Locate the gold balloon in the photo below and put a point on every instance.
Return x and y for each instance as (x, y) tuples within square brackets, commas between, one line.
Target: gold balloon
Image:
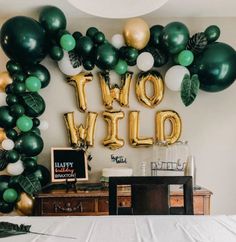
[(176, 126), (140, 88), (79, 81), (134, 138), (5, 79), (81, 133), (25, 204), (109, 94), (2, 135), (112, 141), (136, 33)]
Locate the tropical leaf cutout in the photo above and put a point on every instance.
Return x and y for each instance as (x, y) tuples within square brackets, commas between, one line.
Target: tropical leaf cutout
[(33, 101), (189, 89), (10, 229), (30, 183)]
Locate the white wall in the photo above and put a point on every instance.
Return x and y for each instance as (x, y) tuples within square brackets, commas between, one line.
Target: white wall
[(209, 124)]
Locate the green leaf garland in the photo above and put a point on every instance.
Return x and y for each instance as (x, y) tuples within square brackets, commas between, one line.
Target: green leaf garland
[(189, 89)]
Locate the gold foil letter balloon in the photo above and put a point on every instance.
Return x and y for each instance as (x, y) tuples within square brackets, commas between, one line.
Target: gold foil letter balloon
[(79, 81), (5, 79), (158, 88), (176, 126), (136, 33), (121, 94), (134, 138), (112, 140), (81, 133)]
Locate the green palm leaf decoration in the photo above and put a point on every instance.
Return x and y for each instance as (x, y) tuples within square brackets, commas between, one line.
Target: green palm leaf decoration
[(30, 184), (189, 89), (9, 229)]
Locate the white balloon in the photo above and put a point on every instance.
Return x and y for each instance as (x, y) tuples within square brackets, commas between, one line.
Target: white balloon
[(43, 125), (8, 144), (70, 64), (145, 61), (118, 41), (174, 77), (15, 169), (3, 98)]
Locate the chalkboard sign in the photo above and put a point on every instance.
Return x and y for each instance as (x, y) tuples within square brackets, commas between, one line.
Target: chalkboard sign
[(68, 164)]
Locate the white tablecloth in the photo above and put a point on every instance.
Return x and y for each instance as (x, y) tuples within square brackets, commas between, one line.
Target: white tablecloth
[(129, 228)]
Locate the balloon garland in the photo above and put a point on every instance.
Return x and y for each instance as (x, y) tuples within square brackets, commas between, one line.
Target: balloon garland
[(198, 62)]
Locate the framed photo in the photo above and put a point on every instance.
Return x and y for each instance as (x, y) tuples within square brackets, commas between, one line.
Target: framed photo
[(68, 164)]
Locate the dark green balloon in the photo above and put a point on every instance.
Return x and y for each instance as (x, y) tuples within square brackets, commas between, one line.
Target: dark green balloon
[(12, 156), (13, 67), (212, 33), (56, 53), (6, 207), (30, 165), (11, 134), (14, 183), (8, 89), (106, 57), (129, 54), (11, 99), (88, 64), (216, 67), (36, 122), (23, 40), (18, 77), (41, 72), (77, 35), (17, 110), (84, 46), (99, 38), (29, 144), (52, 19), (36, 130), (155, 35), (175, 37), (18, 87), (33, 110), (4, 184), (7, 121), (160, 56), (91, 32), (43, 174)]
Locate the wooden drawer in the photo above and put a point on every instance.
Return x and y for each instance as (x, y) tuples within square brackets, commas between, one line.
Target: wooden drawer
[(103, 205), (67, 206), (198, 203)]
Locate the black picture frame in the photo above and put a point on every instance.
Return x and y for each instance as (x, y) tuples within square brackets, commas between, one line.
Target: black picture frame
[(68, 164)]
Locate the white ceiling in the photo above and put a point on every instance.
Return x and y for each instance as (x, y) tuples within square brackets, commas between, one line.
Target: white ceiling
[(173, 8)]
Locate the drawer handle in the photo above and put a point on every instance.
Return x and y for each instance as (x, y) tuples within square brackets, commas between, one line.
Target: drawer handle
[(68, 208)]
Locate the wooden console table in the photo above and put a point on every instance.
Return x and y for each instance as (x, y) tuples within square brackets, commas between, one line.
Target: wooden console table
[(84, 203)]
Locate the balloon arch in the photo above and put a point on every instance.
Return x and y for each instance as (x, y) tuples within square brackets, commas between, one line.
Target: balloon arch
[(197, 62)]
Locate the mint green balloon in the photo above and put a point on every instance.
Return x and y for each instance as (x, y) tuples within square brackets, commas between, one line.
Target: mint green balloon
[(32, 83), (185, 58), (24, 123), (121, 67), (10, 195), (67, 42)]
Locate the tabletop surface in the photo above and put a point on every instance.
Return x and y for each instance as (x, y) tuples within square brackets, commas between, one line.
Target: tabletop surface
[(129, 228)]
